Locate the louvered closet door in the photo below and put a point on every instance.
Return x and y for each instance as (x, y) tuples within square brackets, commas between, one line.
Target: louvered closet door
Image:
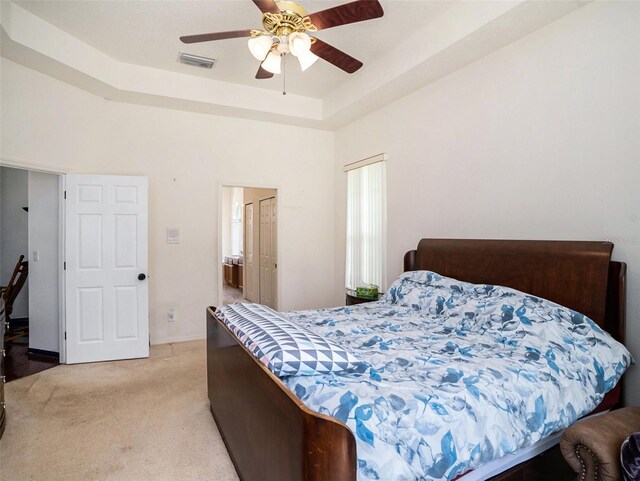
[(107, 313)]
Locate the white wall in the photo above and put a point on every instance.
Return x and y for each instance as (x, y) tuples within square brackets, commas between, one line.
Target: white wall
[(44, 295), (185, 155), (13, 232), (539, 140)]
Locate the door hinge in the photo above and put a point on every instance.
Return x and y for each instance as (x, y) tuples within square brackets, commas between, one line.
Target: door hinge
[(65, 194), (65, 335), (64, 266)]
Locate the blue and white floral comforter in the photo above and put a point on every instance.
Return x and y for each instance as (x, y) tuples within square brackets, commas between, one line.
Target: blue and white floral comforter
[(460, 374)]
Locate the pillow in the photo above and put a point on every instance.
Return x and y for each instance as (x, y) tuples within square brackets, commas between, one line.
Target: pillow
[(426, 291), (287, 349), (630, 457)]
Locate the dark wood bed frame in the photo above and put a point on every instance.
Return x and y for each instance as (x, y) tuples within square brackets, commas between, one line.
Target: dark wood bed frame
[(272, 436)]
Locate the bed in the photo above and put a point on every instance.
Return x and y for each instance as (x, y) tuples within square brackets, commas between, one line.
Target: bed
[(272, 435)]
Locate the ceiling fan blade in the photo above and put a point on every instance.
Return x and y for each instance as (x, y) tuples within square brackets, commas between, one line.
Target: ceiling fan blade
[(208, 37), (262, 73), (336, 57), (267, 6), (357, 11)]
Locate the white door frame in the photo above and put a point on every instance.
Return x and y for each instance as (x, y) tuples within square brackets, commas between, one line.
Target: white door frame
[(279, 252), (61, 268), (14, 164)]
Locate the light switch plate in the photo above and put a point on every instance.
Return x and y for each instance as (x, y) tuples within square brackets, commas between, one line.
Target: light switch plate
[(173, 235)]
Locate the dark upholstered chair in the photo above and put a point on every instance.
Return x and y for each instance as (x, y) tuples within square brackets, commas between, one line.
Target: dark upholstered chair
[(592, 447)]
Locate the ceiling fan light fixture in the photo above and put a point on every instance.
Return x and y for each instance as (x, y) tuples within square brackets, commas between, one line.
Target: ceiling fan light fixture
[(260, 46), (283, 45), (299, 43), (307, 59), (285, 25), (272, 63)]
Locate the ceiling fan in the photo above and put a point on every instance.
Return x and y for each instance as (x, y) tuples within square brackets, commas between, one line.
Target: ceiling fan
[(286, 24)]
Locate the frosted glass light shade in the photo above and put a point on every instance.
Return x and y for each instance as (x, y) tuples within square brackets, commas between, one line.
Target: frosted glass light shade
[(299, 43), (272, 63), (260, 46), (307, 60)]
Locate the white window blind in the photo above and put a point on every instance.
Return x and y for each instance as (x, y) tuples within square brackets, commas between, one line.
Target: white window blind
[(366, 225)]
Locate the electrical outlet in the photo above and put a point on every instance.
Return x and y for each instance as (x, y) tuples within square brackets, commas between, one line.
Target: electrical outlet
[(171, 314)]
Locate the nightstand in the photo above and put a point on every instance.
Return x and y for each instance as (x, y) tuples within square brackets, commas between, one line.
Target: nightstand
[(352, 298)]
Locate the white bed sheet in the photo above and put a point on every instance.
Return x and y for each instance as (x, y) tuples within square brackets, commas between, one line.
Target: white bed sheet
[(500, 465)]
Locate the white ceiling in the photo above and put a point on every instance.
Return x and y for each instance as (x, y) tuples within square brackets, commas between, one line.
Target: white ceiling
[(146, 33), (126, 51)]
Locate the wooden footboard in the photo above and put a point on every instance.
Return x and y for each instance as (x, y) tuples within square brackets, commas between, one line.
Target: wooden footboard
[(269, 433)]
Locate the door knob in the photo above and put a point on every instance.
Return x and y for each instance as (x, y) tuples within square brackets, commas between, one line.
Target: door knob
[(141, 277)]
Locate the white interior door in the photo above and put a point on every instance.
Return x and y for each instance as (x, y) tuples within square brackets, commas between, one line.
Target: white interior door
[(249, 284), (267, 252), (107, 311)]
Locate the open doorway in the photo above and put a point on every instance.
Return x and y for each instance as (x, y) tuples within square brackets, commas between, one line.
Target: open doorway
[(249, 245), (29, 269), (86, 247)]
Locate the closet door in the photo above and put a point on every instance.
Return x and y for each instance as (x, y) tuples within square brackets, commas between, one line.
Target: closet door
[(274, 259), (249, 278), (268, 263)]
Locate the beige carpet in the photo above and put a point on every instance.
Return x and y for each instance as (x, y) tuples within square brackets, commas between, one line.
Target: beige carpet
[(133, 420), (231, 295)]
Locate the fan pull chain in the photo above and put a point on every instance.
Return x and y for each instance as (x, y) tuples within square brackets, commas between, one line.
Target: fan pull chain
[(284, 75)]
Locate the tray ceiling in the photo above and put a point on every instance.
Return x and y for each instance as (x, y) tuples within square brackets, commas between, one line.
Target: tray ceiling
[(146, 33), (126, 51)]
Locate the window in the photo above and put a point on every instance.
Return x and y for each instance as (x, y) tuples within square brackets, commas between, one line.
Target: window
[(236, 229), (366, 223)]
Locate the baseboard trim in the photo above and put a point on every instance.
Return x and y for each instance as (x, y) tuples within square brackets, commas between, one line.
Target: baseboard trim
[(170, 340)]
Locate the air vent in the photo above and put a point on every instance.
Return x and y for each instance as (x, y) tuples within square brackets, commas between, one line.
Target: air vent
[(196, 60)]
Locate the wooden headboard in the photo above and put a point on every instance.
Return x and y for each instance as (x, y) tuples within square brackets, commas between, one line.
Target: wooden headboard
[(576, 274)]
